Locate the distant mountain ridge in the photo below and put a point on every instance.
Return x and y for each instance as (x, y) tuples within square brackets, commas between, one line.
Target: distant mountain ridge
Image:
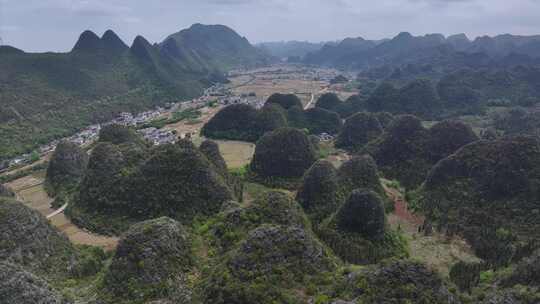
[(90, 42), (286, 49), (51, 95), (217, 45), (403, 48)]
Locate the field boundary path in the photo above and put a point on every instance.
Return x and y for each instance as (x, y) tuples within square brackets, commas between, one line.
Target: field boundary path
[(58, 211), (29, 190)]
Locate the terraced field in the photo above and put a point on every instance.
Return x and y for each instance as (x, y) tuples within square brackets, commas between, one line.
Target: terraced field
[(30, 191)]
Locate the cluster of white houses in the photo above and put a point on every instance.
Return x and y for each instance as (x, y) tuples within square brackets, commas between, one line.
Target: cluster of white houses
[(158, 136), (219, 93), (91, 133)]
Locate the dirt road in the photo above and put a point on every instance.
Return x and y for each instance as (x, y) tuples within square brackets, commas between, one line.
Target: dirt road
[(30, 191)]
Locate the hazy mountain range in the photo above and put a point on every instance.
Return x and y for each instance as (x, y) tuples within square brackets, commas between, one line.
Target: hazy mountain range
[(286, 49), (359, 53)]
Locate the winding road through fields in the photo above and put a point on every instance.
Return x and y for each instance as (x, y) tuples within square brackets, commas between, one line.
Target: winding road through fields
[(30, 191), (309, 104)]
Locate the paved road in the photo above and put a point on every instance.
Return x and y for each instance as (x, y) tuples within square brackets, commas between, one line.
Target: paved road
[(58, 211), (310, 102)]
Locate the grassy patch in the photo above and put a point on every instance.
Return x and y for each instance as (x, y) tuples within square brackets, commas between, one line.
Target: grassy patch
[(24, 172), (191, 115)]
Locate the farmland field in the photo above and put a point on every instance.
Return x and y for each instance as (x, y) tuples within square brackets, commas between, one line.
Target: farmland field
[(30, 191), (236, 153)]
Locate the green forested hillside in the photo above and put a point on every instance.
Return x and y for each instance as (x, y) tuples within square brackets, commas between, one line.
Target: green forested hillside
[(50, 95), (214, 47)]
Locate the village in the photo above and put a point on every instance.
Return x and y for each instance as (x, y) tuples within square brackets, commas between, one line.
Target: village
[(218, 94), (250, 87)]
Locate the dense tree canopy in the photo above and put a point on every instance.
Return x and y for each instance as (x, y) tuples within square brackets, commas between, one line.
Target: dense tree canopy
[(66, 167), (398, 281), (458, 93), (400, 152), (328, 101), (22, 287), (210, 149), (286, 101), (152, 256), (352, 105), (360, 172), (102, 185), (322, 121), (447, 136), (243, 122), (363, 213), (384, 98), (118, 134), (419, 97), (296, 117), (284, 153), (270, 118), (384, 118), (407, 151), (267, 265), (177, 182), (319, 189), (273, 207), (234, 122), (487, 191), (29, 240), (358, 130)]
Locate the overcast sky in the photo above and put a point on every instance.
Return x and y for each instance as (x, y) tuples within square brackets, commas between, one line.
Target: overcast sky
[(54, 25)]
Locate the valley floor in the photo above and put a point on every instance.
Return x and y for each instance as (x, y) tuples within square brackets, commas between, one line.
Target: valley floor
[(30, 191)]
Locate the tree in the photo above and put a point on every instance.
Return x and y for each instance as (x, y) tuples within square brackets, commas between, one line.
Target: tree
[(358, 130), (328, 101), (318, 192), (234, 122), (286, 101), (447, 136), (320, 121), (66, 167), (283, 153), (270, 118), (118, 134), (103, 185), (420, 98), (363, 213), (384, 98)]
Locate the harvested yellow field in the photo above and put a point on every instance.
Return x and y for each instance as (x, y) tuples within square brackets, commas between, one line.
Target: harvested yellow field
[(185, 126), (30, 191), (236, 153), (264, 86)]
